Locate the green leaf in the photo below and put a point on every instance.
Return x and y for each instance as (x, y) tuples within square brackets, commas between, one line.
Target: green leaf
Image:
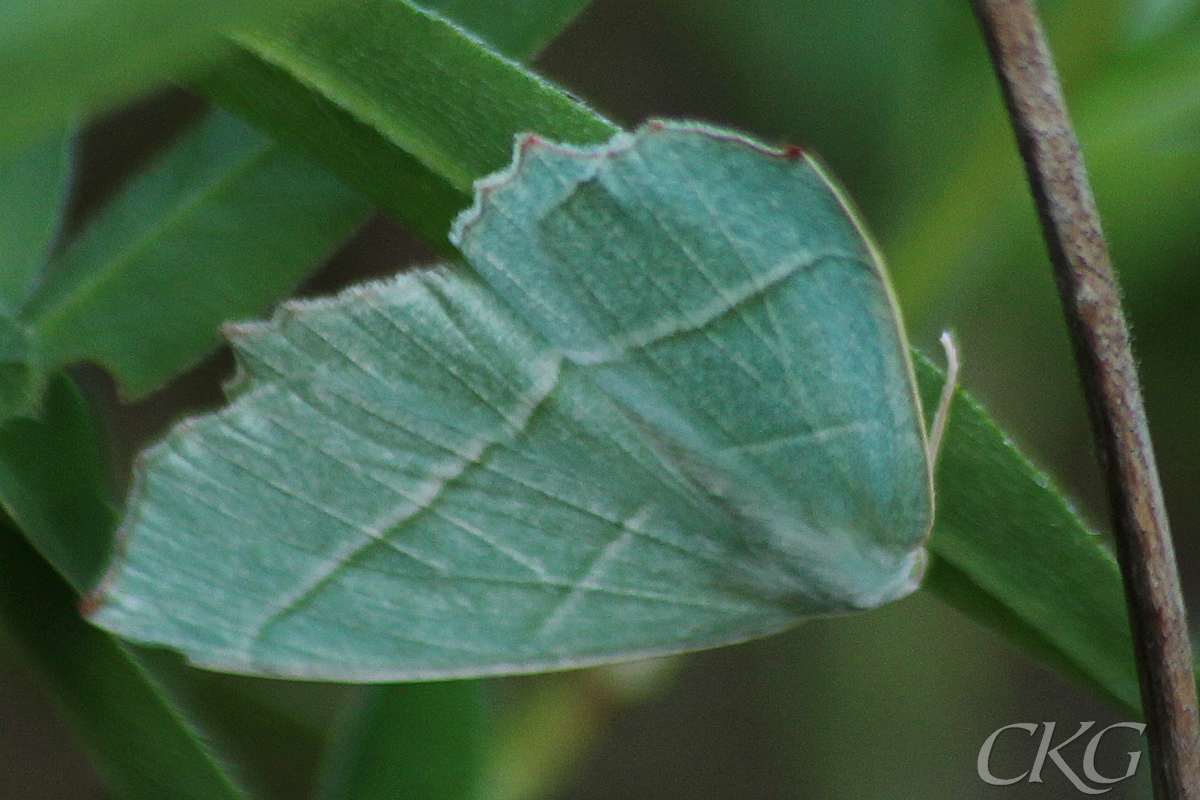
[(1010, 552), (399, 103), (20, 377), (50, 482), (223, 224), (731, 443), (34, 182), (422, 740), (141, 747), (273, 732), (517, 28), (52, 485), (65, 59)]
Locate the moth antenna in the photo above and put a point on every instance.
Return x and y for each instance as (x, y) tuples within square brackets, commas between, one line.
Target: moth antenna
[(943, 407)]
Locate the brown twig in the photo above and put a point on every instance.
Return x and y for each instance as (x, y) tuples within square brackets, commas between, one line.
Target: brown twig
[(1092, 305)]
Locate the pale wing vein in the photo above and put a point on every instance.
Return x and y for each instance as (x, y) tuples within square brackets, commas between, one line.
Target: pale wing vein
[(400, 513)]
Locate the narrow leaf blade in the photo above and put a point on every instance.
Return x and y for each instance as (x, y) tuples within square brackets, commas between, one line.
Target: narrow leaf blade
[(426, 738), (34, 182), (222, 225), (61, 60), (517, 28), (52, 484), (50, 481), (141, 747), (413, 136), (1018, 559)]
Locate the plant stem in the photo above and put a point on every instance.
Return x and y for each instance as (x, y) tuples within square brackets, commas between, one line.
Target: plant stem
[(1091, 302)]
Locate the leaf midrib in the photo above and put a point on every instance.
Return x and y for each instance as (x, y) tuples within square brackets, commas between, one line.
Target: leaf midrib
[(43, 323)]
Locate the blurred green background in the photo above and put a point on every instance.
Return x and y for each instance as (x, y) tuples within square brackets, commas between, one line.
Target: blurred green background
[(898, 99)]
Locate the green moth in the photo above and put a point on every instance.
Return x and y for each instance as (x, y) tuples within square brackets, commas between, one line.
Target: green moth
[(670, 407)]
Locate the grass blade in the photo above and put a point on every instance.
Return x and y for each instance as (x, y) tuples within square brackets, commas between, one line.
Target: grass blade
[(411, 137), (141, 746), (50, 481), (424, 740), (517, 28), (65, 59), (218, 228), (1011, 553), (34, 182)]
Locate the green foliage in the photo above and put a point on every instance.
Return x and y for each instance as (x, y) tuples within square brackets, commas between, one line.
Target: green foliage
[(517, 28), (994, 560), (50, 486), (224, 222), (399, 103), (425, 737), (60, 60), (36, 179), (113, 705), (406, 110)]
